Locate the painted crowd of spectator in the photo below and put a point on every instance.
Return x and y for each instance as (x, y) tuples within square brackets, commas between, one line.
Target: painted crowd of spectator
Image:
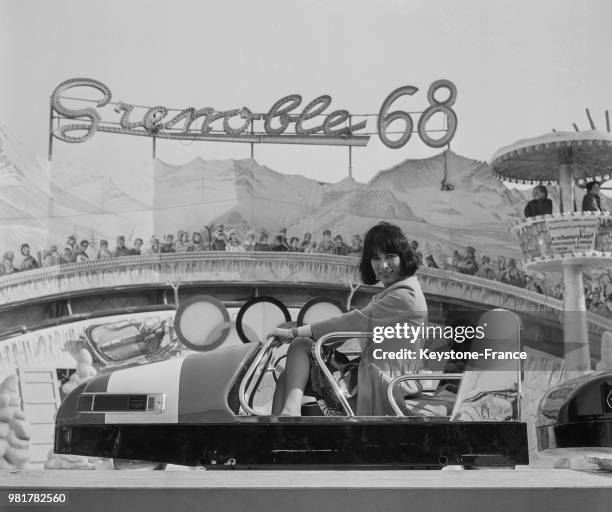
[(222, 240), (219, 239), (504, 270), (598, 295)]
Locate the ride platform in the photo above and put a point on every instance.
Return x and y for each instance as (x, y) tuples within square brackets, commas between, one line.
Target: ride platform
[(229, 490)]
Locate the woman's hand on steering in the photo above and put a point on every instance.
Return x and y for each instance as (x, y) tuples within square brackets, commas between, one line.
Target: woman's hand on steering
[(283, 334)]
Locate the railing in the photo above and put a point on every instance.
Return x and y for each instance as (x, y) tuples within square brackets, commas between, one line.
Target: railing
[(256, 267), (191, 267), (547, 240)]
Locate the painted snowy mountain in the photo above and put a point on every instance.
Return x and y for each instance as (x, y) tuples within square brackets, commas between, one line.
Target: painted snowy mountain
[(42, 203)]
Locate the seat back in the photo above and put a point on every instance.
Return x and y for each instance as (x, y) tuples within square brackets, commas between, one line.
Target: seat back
[(490, 389)]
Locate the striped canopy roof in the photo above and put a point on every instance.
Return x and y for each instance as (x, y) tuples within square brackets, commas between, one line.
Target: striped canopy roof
[(537, 160)]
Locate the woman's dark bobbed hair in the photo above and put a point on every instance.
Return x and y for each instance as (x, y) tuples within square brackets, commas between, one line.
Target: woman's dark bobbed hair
[(389, 239)]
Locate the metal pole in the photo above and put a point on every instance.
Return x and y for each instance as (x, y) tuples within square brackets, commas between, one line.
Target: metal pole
[(588, 113), (50, 155), (566, 180), (350, 151), (252, 143), (154, 148), (175, 288)]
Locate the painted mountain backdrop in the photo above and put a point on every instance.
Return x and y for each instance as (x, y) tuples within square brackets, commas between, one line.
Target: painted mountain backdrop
[(42, 203)]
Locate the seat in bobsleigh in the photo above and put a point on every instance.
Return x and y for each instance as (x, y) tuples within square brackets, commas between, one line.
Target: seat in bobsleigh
[(488, 389)]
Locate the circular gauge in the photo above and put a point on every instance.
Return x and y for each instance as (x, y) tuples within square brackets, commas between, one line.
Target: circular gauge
[(609, 400), (202, 323), (319, 309), (258, 316)]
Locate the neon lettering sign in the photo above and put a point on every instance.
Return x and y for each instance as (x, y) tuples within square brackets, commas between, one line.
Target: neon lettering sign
[(337, 127)]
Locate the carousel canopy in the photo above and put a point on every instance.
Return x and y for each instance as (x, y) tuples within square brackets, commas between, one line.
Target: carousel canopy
[(537, 160)]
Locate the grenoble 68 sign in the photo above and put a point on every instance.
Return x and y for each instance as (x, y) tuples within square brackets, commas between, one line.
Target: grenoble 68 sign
[(283, 123)]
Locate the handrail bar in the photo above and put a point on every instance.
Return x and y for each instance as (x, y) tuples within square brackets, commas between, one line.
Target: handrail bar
[(424, 376), (317, 352), (250, 373)]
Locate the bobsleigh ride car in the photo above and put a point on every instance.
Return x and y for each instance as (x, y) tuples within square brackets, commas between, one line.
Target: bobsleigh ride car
[(212, 407), (575, 417)]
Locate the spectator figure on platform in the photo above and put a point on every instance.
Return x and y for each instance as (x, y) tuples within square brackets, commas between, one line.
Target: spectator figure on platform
[(605, 282), (103, 252), (312, 249), (598, 305), (294, 244), (591, 295), (557, 292), (467, 264), (249, 242), (196, 242), (137, 249), (155, 246), (594, 302), (72, 243), (356, 245), (262, 245), (168, 244), (512, 275), (89, 248), (326, 245), (431, 262), (306, 242), (181, 244), (501, 267), (233, 244), (28, 262), (455, 260), (597, 290), (608, 311), (283, 236), (414, 245), (81, 254), (9, 268), (591, 202), (67, 257), (486, 270), (540, 204), (56, 257), (218, 239), (8, 255), (120, 248), (277, 244), (340, 248), (532, 285), (588, 296), (47, 259)]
